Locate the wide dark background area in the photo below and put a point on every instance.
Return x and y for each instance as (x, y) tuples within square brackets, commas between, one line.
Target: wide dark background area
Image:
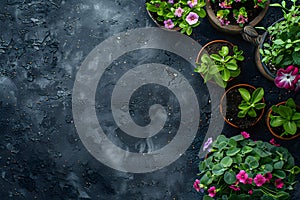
[(42, 45)]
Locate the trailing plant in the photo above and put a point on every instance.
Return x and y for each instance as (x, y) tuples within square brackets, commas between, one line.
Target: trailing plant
[(178, 13), (240, 168), (251, 102), (286, 116), (221, 66)]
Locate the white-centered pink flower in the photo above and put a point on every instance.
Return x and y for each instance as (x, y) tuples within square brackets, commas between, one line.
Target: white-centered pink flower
[(192, 3), (192, 18), (178, 12)]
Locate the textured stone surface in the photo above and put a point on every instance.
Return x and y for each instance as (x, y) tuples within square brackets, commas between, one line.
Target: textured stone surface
[(42, 44)]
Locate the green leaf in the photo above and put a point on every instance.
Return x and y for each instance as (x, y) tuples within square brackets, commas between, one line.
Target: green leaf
[(296, 57), (282, 195), (290, 127), (278, 165), (277, 121), (218, 169), (189, 31), (252, 112), (259, 106), (235, 73), (170, 15), (216, 57), (201, 13), (245, 94), (206, 197), (230, 177), (238, 137), (224, 51), (278, 41), (183, 25), (285, 111), (252, 162), (232, 151), (225, 74), (257, 95), (226, 161), (242, 113), (206, 178), (279, 174), (151, 8), (232, 142), (246, 149), (231, 66), (296, 116), (279, 59), (290, 103), (295, 170)]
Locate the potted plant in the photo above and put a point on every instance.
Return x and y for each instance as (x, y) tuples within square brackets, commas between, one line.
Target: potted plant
[(176, 14), (240, 168), (242, 105), (278, 55), (219, 61), (232, 15), (283, 120)]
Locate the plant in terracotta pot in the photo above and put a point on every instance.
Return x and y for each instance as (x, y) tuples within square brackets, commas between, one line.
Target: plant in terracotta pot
[(278, 54), (221, 64), (232, 15), (283, 120), (242, 105), (177, 14), (240, 168)]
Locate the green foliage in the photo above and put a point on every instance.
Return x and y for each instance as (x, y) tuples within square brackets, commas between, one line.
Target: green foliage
[(284, 48), (228, 156), (222, 66), (251, 102), (286, 116), (165, 11)]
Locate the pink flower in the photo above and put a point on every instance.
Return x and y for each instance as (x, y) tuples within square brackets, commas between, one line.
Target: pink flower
[(169, 24), (234, 187), (245, 134), (212, 191), (207, 143), (171, 1), (250, 192), (273, 142), (192, 3), (192, 18), (287, 78), (278, 183), (259, 180), (268, 176), (197, 185), (242, 176), (178, 12), (224, 4), (249, 180), (241, 19)]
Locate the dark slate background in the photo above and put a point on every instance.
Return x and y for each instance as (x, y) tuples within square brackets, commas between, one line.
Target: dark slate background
[(42, 44)]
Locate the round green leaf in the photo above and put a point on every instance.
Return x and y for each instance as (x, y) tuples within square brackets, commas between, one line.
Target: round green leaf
[(230, 177), (226, 161)]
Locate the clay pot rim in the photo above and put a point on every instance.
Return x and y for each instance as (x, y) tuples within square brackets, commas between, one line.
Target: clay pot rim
[(233, 29), (224, 95), (176, 28), (271, 129), (260, 46)]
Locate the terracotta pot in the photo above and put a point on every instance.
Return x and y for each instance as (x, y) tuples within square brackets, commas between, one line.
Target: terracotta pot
[(271, 129), (203, 50), (232, 29), (258, 58), (222, 104), (159, 24)]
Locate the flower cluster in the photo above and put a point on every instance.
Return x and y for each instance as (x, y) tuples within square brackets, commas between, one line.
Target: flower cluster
[(240, 168), (174, 13), (235, 9), (288, 78)]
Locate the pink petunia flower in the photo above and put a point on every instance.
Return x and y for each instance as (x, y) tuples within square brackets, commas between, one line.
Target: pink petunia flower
[(242, 176), (212, 191), (273, 142), (178, 12), (245, 134), (250, 192), (207, 143), (192, 3), (197, 185), (278, 183), (171, 1), (169, 24), (241, 19), (225, 4), (192, 18), (234, 187), (249, 180), (259, 180), (268, 176), (287, 78)]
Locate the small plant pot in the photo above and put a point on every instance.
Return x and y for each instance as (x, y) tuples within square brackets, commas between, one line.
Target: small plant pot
[(160, 24), (233, 99), (211, 48), (232, 29), (262, 67), (275, 131)]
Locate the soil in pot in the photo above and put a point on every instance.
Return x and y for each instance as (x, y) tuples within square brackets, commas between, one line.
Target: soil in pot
[(272, 69), (214, 47), (233, 99), (249, 5)]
